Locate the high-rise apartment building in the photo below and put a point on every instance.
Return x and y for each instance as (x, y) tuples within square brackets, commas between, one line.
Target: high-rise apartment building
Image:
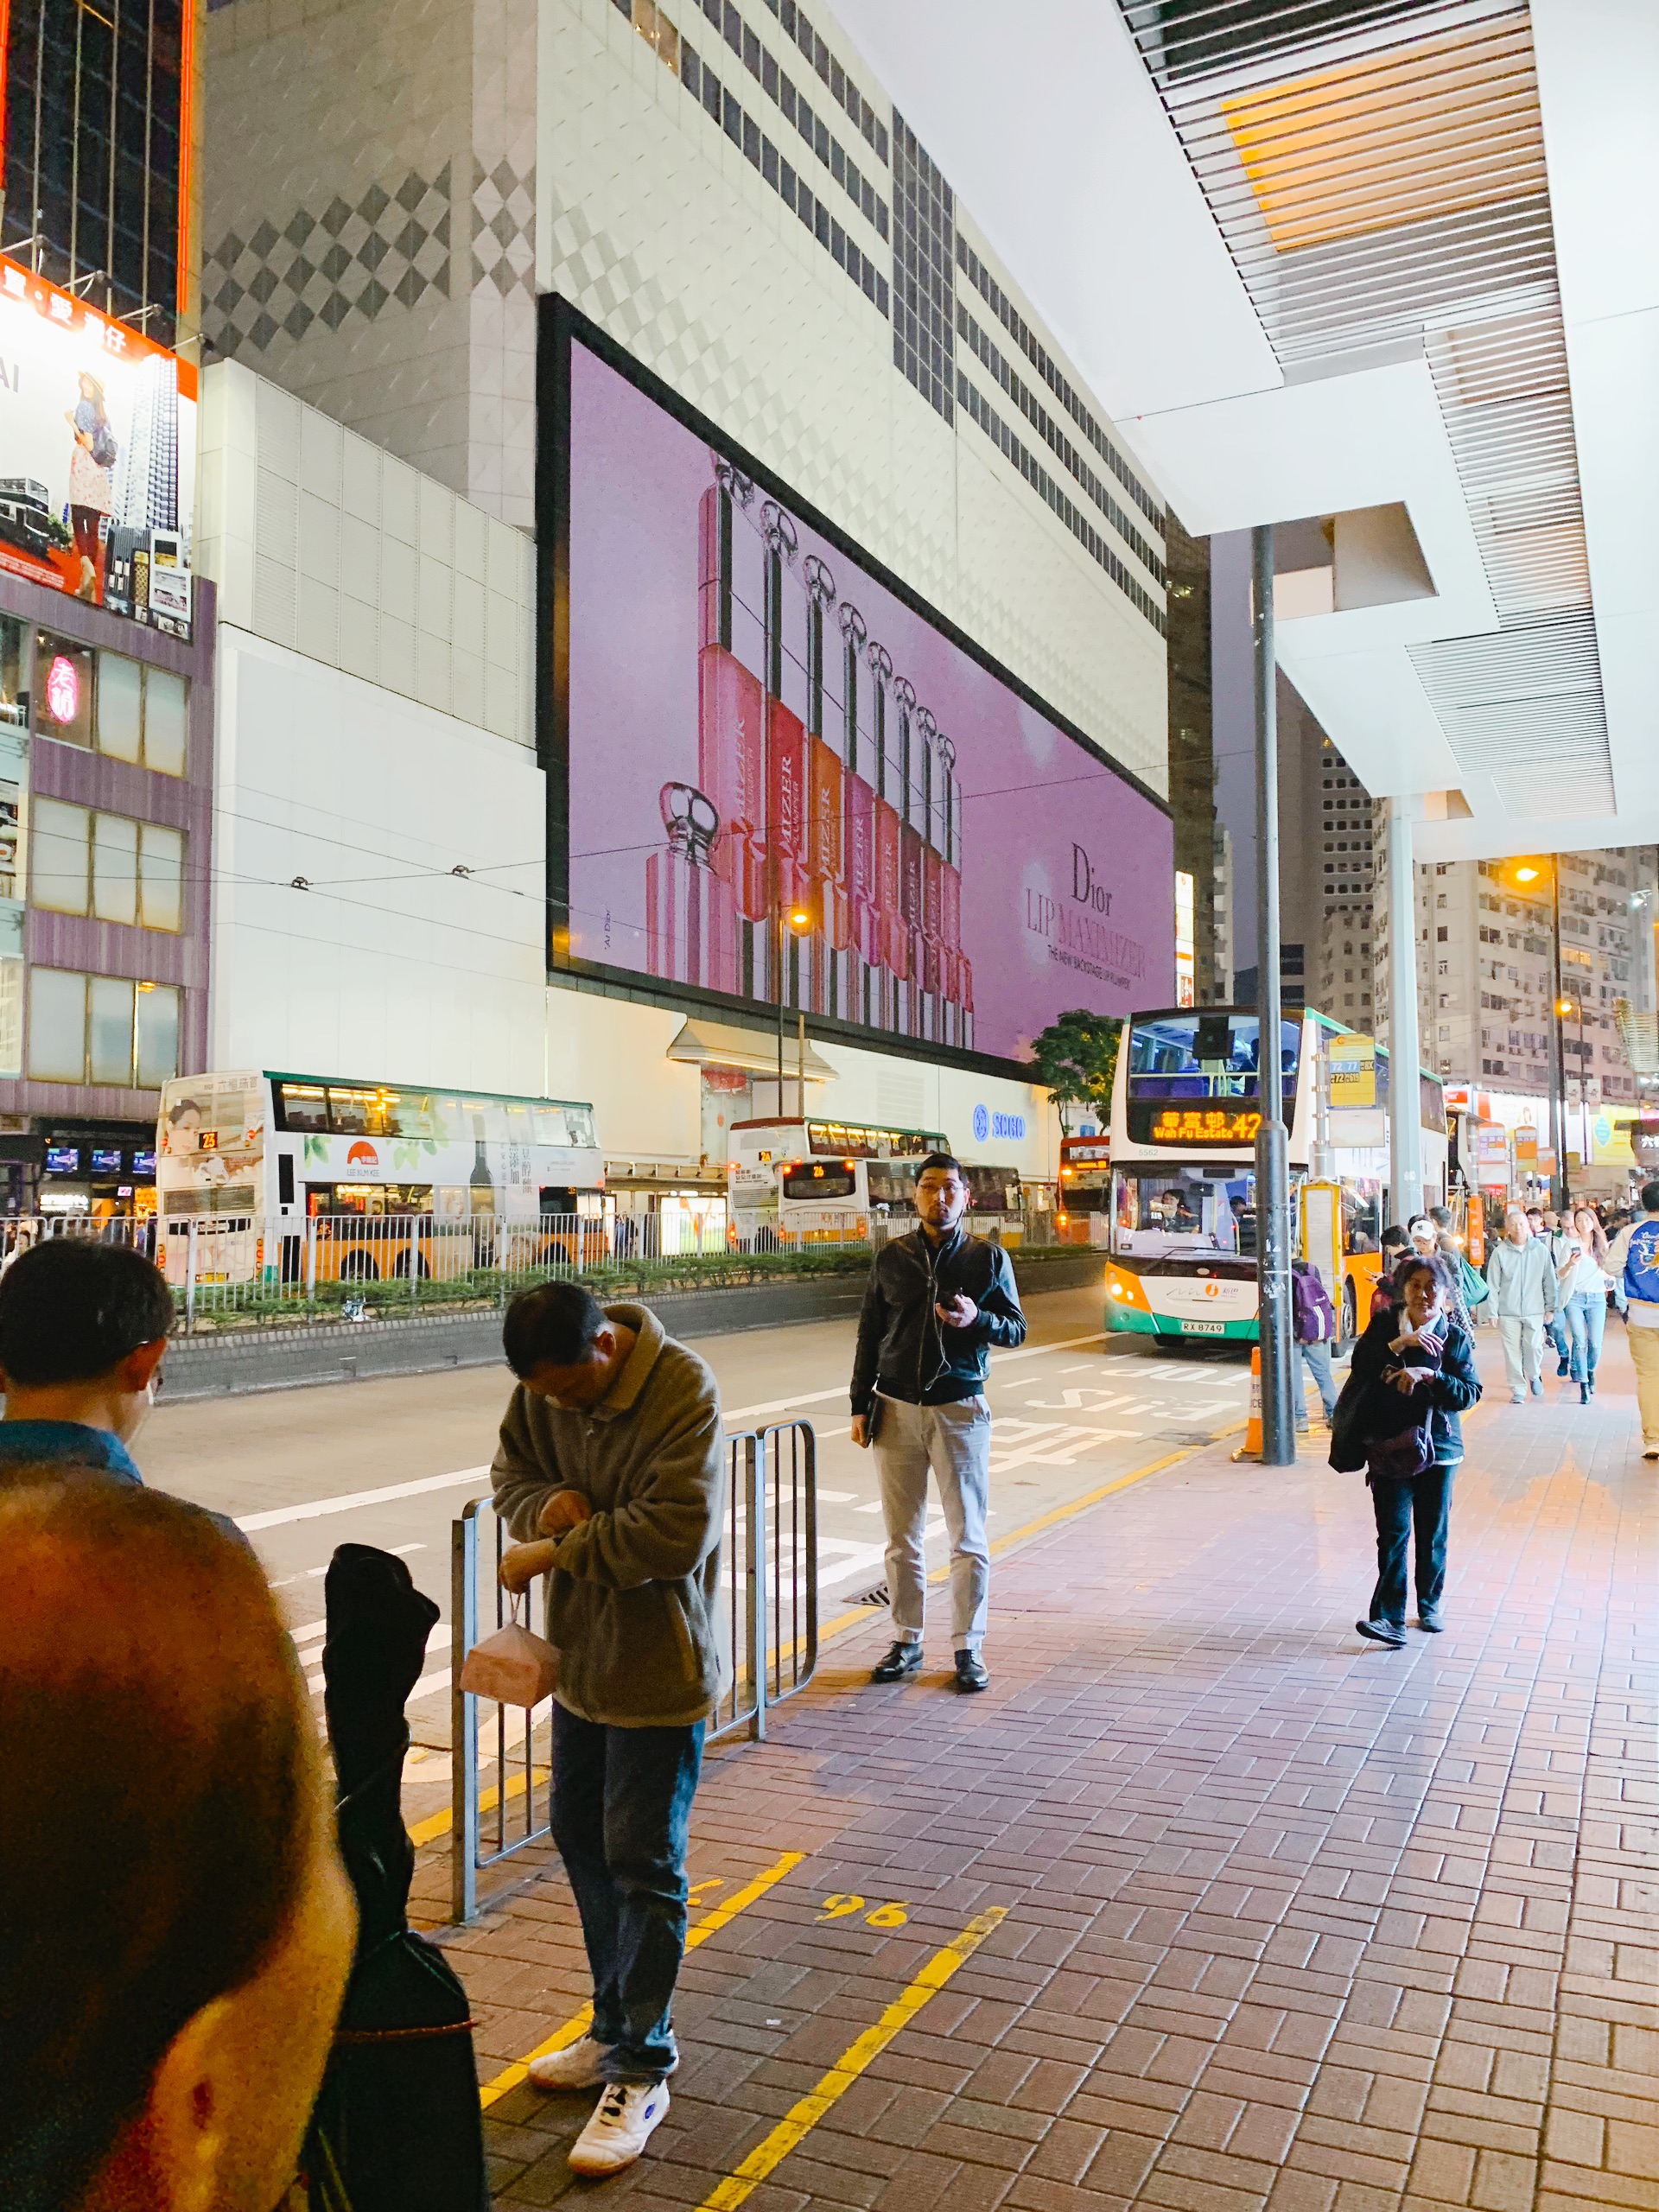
[(1191, 748), (1484, 974), (1343, 984)]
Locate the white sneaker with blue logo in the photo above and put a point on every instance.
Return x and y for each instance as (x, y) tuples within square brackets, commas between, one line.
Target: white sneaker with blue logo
[(621, 2128)]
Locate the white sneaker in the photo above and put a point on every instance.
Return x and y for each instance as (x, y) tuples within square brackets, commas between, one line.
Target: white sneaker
[(581, 2067), (620, 2127)]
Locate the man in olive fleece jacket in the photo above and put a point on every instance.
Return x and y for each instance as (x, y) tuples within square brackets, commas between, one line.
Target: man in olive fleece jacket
[(611, 1466)]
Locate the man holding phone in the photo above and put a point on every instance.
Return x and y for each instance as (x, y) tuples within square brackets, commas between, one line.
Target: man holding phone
[(937, 1301)]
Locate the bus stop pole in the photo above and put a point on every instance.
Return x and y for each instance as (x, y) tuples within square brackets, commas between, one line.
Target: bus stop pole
[(1272, 1167)]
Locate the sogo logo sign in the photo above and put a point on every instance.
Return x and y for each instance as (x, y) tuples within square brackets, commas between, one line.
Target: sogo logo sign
[(1009, 1127)]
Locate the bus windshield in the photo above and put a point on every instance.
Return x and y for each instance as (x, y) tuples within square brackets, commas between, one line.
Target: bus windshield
[(1177, 1208)]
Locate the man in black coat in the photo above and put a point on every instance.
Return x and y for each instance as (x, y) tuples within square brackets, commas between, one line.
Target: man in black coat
[(938, 1300)]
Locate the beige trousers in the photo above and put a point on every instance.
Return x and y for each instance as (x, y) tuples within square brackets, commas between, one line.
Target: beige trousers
[(1645, 1357)]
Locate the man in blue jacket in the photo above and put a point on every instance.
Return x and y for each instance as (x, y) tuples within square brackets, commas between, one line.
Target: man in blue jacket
[(938, 1300)]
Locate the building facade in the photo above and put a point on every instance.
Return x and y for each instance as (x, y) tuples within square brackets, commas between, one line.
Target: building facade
[(1192, 751)]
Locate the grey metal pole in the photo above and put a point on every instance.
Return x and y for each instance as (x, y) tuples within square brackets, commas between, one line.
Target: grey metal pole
[(1272, 1167), (1404, 1083), (1558, 1045)]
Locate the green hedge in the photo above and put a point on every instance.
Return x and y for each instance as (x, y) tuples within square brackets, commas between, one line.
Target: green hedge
[(248, 1305)]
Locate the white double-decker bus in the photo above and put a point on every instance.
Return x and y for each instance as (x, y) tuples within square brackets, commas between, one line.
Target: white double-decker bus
[(1187, 1104)]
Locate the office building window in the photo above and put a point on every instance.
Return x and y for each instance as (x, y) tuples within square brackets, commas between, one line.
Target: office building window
[(923, 272), (101, 1029), (106, 865), (105, 701)]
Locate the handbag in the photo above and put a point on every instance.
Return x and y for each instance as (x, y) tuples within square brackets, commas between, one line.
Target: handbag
[(1475, 1288), (1400, 1457), (515, 1666)]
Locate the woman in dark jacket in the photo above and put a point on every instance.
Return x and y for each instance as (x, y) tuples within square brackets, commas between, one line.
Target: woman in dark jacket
[(1413, 1360)]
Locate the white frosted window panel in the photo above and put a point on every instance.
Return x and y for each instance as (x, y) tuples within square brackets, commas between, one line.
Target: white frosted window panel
[(57, 1025), (120, 706), (164, 707), (160, 877), (115, 867), (111, 1031), (57, 855), (158, 1034), (11, 1017)]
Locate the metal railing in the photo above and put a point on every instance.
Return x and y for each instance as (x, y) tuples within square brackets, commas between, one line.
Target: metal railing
[(769, 1601), (241, 1268)]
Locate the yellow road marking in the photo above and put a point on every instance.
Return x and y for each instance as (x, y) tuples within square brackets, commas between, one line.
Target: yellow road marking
[(437, 1824), (579, 2023), (804, 2117)]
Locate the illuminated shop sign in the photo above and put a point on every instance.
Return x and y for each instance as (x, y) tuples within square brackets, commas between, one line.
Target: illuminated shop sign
[(97, 456)]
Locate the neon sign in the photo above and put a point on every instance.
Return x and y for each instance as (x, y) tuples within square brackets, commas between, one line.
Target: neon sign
[(63, 689), (1204, 1125)]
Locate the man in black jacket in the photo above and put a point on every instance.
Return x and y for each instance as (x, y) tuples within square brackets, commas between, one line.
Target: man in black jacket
[(938, 1300)]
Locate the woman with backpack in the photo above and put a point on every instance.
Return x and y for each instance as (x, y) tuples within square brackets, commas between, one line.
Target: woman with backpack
[(1314, 1323), (1412, 1377)]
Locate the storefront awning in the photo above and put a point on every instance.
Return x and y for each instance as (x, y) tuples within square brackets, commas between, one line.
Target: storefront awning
[(722, 1045)]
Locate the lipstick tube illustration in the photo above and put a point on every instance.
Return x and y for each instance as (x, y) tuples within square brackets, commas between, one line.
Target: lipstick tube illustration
[(789, 882), (889, 803), (690, 937), (826, 852), (949, 888), (731, 729), (932, 955), (961, 988), (858, 835), (910, 852)]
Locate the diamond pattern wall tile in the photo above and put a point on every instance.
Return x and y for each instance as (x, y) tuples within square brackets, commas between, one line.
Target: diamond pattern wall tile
[(391, 247)]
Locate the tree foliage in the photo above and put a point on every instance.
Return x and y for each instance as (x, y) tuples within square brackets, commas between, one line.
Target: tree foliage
[(1076, 1058)]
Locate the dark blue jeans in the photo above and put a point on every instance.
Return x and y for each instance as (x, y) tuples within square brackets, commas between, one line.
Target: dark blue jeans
[(1585, 1315), (1421, 1506), (621, 1810)]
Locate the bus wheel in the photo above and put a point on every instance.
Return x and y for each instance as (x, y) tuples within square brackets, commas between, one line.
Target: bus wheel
[(1350, 1313), (358, 1267), (400, 1266)]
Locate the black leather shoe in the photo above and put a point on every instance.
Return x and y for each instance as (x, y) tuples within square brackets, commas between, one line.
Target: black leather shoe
[(903, 1661), (971, 1672)]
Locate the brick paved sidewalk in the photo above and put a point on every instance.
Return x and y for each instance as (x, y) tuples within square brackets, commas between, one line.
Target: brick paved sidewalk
[(1289, 1919)]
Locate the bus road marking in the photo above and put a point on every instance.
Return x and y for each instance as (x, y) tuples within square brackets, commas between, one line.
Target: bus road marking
[(799, 2122), (579, 2023)]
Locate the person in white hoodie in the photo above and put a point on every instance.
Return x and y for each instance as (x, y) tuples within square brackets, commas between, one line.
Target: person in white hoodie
[(1524, 1296)]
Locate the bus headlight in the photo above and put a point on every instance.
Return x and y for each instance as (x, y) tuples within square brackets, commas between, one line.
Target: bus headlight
[(1117, 1289)]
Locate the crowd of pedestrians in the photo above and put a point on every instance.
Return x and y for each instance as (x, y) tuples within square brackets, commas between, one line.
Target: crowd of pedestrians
[(172, 1958)]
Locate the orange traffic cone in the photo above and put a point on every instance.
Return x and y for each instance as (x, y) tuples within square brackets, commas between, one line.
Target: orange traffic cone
[(1251, 1447)]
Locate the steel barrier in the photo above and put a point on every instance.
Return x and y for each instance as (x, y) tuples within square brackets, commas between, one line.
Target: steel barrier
[(769, 1595)]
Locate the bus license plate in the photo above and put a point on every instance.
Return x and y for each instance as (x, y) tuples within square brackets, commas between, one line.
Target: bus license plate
[(1204, 1328)]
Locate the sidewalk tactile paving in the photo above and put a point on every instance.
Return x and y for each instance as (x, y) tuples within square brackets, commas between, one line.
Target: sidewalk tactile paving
[(1292, 1922)]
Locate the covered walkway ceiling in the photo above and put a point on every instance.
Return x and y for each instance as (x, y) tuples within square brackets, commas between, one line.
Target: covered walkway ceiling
[(1325, 257)]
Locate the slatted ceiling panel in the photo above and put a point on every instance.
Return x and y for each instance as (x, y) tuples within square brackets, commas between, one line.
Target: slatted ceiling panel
[(1377, 172)]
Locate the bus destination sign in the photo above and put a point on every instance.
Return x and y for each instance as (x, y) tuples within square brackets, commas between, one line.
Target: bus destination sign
[(1202, 1125)]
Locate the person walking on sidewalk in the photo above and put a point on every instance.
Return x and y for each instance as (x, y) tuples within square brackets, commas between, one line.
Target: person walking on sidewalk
[(1412, 1450), (937, 1301), (612, 1469), (1314, 1319), (1634, 1262), (1524, 1296), (1582, 1294)]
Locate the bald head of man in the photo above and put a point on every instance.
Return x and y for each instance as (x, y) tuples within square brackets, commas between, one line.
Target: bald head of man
[(174, 1926)]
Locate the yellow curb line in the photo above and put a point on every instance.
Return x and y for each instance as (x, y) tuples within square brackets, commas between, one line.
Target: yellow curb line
[(437, 1824), (805, 2116), (578, 2025)]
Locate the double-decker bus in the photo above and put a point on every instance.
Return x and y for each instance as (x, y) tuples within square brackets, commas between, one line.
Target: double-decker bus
[(1085, 1214), (367, 1179), (790, 1178), (1185, 1109)]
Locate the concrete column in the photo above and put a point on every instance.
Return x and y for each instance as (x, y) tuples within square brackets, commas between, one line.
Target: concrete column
[(1405, 1113), (1280, 1366)]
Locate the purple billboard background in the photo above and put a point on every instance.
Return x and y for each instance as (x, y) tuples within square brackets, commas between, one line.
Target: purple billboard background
[(1066, 871)]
